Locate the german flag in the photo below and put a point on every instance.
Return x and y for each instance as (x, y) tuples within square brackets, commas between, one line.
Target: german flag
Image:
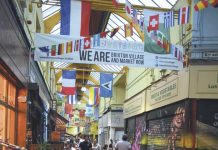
[(69, 47), (201, 5), (60, 49)]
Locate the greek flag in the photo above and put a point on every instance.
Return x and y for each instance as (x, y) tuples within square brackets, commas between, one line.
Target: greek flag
[(168, 19)]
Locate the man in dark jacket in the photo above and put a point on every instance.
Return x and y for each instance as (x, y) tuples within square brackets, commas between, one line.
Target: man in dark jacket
[(85, 145)]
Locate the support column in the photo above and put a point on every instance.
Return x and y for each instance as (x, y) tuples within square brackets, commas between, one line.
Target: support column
[(112, 134)]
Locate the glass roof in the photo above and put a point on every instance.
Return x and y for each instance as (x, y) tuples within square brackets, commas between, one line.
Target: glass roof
[(50, 7)]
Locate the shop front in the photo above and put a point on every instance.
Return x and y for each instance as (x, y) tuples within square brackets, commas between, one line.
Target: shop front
[(135, 120), (177, 112), (12, 99), (8, 107)]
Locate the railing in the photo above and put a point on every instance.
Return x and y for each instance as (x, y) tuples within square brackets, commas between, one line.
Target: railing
[(9, 146), (59, 146)]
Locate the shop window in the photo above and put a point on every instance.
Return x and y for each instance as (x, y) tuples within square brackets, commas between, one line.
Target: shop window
[(3, 89), (2, 123), (10, 126), (11, 94), (7, 113)]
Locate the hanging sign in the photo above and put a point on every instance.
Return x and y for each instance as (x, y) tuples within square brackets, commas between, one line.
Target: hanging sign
[(111, 52)]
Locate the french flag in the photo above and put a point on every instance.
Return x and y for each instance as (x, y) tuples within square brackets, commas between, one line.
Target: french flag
[(68, 82), (183, 16), (75, 17)]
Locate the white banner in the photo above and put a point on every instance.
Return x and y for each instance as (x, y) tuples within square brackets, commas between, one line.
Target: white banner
[(110, 52)]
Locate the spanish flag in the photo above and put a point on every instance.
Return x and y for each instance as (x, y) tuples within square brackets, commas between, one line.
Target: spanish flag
[(214, 3), (69, 47), (201, 5), (60, 49), (128, 30)]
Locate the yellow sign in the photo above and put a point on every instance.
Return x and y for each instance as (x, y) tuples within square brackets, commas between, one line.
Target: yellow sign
[(167, 91), (207, 82)]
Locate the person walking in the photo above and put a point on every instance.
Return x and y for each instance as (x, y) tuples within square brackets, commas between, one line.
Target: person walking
[(95, 145), (85, 145), (124, 144)]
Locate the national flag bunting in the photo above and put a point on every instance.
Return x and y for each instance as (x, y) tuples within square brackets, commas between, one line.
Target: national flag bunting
[(71, 99), (75, 17), (60, 49), (69, 47), (91, 96), (89, 110), (114, 31), (201, 5), (168, 19), (128, 30), (115, 3), (183, 16), (96, 96), (128, 7), (153, 23), (106, 83), (214, 3), (104, 34), (87, 43), (68, 108), (68, 82), (53, 50), (96, 40), (141, 23), (44, 49), (77, 45), (134, 16)]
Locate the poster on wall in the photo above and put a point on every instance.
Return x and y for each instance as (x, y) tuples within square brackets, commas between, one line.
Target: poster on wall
[(207, 125), (167, 128), (62, 48), (139, 141), (157, 41)]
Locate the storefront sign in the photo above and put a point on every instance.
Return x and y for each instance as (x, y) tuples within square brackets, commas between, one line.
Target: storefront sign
[(207, 82), (135, 106), (210, 55), (167, 91)]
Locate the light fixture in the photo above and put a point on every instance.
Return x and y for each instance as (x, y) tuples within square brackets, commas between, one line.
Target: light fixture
[(83, 89)]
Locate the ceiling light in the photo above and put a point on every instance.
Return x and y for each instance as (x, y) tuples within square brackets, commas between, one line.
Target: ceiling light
[(83, 89)]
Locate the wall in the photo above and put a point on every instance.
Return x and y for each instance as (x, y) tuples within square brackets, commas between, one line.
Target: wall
[(22, 113), (203, 82), (13, 51), (137, 80), (135, 105), (205, 26)]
